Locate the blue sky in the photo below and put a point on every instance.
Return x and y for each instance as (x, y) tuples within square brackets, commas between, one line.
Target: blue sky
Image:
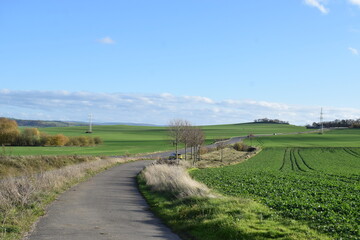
[(203, 60)]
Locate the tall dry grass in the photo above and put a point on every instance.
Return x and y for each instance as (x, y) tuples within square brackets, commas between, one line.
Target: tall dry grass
[(174, 179), (18, 194)]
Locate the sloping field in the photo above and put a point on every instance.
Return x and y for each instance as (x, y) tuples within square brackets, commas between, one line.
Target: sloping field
[(121, 139), (318, 185), (333, 138)]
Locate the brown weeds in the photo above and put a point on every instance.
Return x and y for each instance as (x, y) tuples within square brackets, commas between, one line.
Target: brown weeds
[(17, 194)]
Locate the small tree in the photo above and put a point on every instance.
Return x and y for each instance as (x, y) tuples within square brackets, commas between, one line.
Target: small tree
[(185, 136), (9, 131), (29, 137), (176, 132), (196, 139)]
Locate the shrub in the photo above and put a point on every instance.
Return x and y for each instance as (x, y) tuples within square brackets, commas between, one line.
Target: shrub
[(9, 131), (29, 137), (57, 140), (243, 147), (98, 140), (239, 146)]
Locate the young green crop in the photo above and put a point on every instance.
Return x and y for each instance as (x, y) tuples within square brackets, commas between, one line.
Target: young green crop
[(318, 185)]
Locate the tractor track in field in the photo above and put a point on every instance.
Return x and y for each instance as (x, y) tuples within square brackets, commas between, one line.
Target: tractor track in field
[(302, 159), (293, 157), (351, 152)]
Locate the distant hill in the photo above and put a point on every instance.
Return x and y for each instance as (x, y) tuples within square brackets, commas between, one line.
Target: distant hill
[(44, 123), (128, 124)]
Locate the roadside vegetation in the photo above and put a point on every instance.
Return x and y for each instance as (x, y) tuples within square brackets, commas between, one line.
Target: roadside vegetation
[(27, 188), (25, 165)]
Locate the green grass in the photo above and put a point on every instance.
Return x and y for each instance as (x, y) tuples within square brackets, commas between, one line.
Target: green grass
[(120, 139), (320, 186), (223, 218), (333, 138)]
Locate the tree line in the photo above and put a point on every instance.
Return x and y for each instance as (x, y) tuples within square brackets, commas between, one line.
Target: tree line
[(350, 123), (182, 132), (267, 120), (11, 135)]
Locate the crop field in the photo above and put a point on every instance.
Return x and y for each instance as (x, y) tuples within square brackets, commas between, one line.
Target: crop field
[(333, 138), (121, 139), (320, 186)]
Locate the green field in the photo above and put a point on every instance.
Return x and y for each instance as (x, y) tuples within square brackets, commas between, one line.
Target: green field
[(121, 139), (333, 138), (309, 177)]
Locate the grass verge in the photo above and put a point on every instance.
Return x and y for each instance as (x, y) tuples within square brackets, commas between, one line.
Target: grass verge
[(23, 199), (210, 218)]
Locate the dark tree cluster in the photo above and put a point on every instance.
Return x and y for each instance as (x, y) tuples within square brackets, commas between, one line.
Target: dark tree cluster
[(350, 123), (267, 120)]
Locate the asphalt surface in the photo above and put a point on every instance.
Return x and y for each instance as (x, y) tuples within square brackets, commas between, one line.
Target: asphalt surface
[(107, 206)]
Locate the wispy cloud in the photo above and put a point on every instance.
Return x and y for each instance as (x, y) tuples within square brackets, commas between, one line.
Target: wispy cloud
[(355, 2), (106, 40), (156, 108), (353, 51), (319, 5)]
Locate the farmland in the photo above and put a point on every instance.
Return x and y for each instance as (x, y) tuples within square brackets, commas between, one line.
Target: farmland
[(312, 178), (121, 139)]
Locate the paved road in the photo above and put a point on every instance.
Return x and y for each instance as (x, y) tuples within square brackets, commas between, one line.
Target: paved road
[(108, 207)]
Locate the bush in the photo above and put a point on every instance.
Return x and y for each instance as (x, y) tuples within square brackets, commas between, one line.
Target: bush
[(9, 131), (57, 140), (239, 146), (98, 140), (29, 137)]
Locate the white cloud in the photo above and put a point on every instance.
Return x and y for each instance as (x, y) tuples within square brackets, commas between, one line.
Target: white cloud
[(355, 2), (317, 4), (155, 109), (353, 51), (106, 40)]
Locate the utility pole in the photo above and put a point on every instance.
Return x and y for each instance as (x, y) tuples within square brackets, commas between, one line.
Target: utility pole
[(90, 124)]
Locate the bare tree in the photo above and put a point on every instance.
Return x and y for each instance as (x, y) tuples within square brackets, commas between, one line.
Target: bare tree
[(176, 133), (185, 137), (196, 139)]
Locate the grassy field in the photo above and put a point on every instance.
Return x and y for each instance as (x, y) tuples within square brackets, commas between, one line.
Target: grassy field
[(309, 177), (333, 138), (121, 140)]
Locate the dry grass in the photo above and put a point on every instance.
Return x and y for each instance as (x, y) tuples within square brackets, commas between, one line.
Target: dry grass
[(18, 195), (174, 179), (229, 156), (25, 165)]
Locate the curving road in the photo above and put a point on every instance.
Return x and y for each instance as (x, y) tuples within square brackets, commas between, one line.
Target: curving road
[(107, 206)]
